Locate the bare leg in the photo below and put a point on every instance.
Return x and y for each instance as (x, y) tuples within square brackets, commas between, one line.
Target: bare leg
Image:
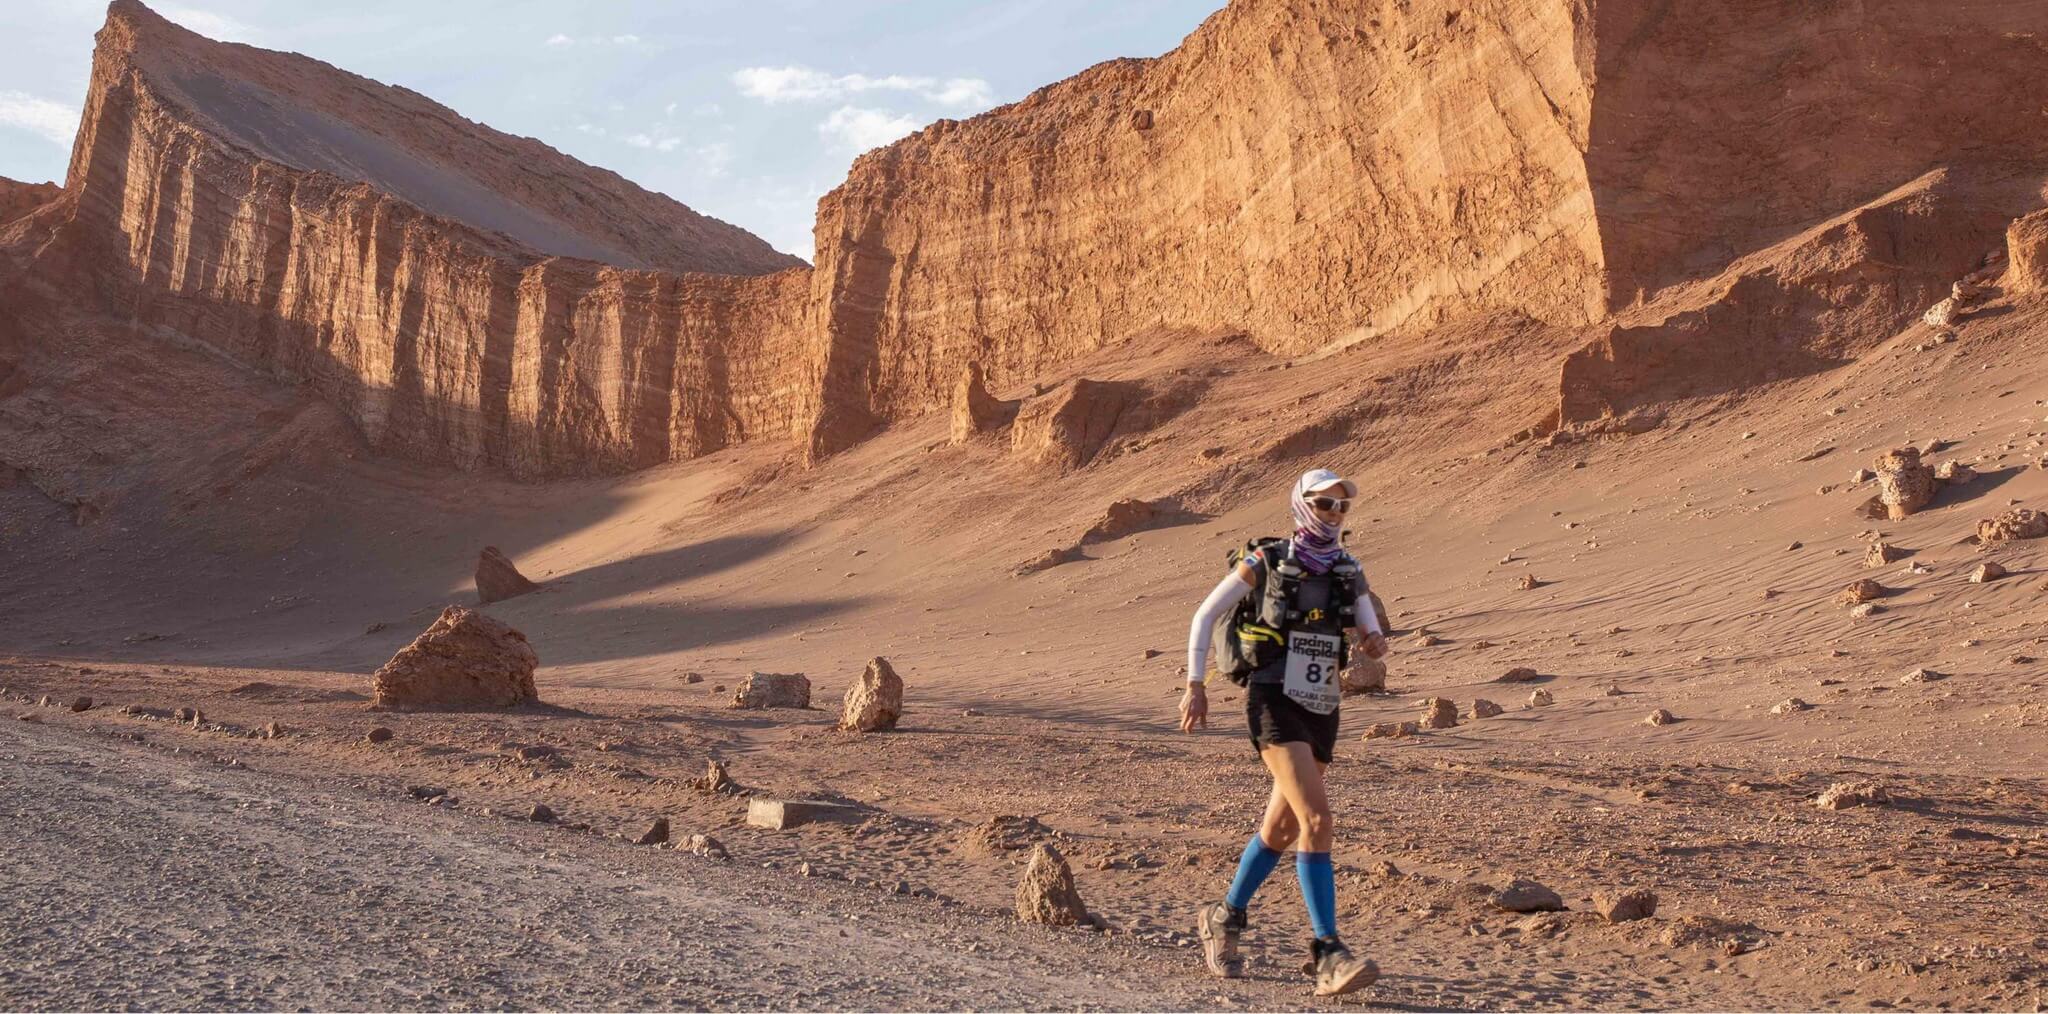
[(1298, 780), (1278, 827)]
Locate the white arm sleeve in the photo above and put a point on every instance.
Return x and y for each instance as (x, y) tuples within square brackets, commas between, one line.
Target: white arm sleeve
[(1366, 617), (1228, 592)]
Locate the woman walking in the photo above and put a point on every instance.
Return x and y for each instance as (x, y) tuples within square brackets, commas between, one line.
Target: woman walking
[(1290, 655)]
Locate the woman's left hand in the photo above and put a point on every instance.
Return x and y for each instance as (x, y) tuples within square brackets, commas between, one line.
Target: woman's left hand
[(1375, 645)]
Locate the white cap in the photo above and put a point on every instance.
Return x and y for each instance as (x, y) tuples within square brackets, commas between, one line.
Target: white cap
[(1316, 479)]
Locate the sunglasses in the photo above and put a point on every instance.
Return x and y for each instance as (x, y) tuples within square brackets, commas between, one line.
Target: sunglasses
[(1329, 503)]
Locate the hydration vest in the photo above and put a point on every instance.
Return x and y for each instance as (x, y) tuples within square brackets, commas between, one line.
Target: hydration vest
[(1254, 634)]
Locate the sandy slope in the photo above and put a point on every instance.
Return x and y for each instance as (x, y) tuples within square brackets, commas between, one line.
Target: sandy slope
[(1667, 576)]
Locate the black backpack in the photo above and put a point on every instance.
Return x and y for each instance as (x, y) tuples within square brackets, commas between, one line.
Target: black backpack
[(1242, 642)]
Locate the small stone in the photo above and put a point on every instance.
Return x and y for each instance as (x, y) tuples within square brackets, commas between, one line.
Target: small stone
[(1625, 906), (716, 778), (1788, 706), (693, 677), (1865, 610), (425, 791), (1862, 590), (535, 752), (379, 734), (1882, 553), (1660, 717), (1047, 893), (1540, 698), (1989, 570), (273, 730), (1612, 692), (187, 715), (81, 704), (1526, 896), (1529, 583), (1923, 676), (1519, 674), (1390, 730), (1439, 713), (656, 833), (541, 814), (1843, 795), (773, 690), (1483, 708), (711, 848)]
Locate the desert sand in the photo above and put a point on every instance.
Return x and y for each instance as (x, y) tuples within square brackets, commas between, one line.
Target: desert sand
[(1612, 415)]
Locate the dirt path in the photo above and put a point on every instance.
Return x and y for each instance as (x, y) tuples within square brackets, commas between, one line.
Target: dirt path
[(140, 879)]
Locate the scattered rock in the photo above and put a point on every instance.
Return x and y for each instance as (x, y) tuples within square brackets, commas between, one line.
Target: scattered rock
[(541, 814), (1049, 559), (1000, 834), (875, 702), (1989, 570), (715, 778), (783, 814), (1519, 674), (376, 628), (1862, 590), (1047, 894), (2017, 523), (1526, 896), (497, 579), (1660, 717), (535, 752), (81, 704), (1882, 553), (192, 715), (1439, 713), (1863, 475), (1625, 906), (1788, 706), (1843, 795), (465, 660), (1955, 473), (1923, 676), (1483, 708), (1866, 609), (380, 734), (773, 690), (656, 833), (425, 791), (1540, 698), (1390, 730), (1363, 675), (1427, 640), (1904, 485), (693, 677), (711, 848), (1528, 583)]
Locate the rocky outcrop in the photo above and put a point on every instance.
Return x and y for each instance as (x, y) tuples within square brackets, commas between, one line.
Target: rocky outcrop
[(773, 690), (465, 660), (975, 411), (497, 579), (1904, 483), (2026, 255), (18, 199), (1047, 893), (1307, 173)]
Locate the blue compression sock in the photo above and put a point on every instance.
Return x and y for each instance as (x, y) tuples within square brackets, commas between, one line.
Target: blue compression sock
[(1252, 868), (1319, 890)]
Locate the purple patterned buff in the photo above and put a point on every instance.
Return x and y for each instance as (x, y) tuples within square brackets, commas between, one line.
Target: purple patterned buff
[(1315, 541)]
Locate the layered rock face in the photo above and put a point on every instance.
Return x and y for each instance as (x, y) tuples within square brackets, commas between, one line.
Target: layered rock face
[(362, 240), (1308, 173)]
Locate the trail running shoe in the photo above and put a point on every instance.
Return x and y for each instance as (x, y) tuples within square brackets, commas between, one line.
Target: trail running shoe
[(1338, 971), (1219, 929)]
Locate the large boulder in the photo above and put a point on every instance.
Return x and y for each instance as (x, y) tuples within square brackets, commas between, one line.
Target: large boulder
[(1439, 713), (465, 660), (875, 702), (2017, 523), (497, 579), (1047, 893), (974, 411), (773, 690), (1363, 675)]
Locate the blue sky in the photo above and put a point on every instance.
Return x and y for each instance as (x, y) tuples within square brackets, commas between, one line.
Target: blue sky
[(747, 110)]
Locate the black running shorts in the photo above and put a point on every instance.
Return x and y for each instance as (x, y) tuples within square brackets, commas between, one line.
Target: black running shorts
[(1275, 718)]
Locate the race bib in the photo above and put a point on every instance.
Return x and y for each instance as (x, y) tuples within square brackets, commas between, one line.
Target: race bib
[(1312, 671)]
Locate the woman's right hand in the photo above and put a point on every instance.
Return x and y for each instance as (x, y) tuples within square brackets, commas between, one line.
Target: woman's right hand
[(1194, 708)]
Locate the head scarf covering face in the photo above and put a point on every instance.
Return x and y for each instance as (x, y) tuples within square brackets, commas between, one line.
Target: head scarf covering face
[(1315, 540)]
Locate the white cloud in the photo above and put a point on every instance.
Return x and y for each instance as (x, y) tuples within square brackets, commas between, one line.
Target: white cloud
[(668, 144), (708, 109), (626, 40), (714, 158), (52, 120), (670, 111), (208, 23), (639, 140), (808, 84), (558, 39), (860, 129)]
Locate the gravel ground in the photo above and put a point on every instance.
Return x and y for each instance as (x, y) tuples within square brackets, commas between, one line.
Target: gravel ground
[(141, 878)]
